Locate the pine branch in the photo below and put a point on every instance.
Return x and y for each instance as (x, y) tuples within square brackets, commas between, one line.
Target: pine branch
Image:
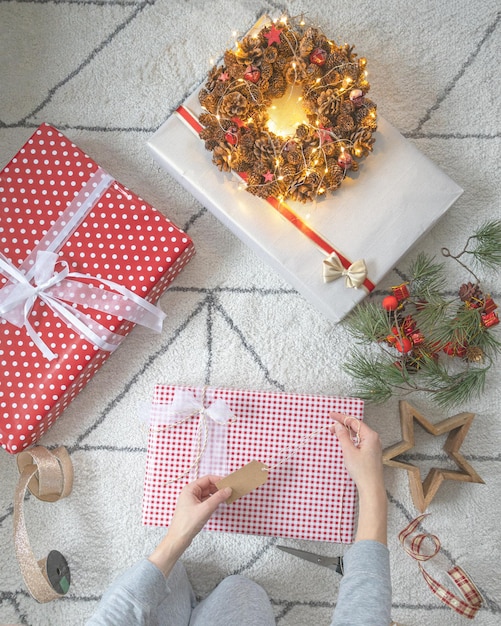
[(462, 388), (368, 323), (487, 342), (428, 343), (459, 330), (427, 277), (487, 250), (434, 314), (370, 376)]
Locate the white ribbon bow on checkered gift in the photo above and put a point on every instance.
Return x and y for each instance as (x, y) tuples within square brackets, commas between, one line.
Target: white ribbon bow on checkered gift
[(184, 407)]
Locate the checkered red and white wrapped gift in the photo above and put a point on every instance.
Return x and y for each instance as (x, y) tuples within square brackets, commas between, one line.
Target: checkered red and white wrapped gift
[(120, 254), (308, 495)]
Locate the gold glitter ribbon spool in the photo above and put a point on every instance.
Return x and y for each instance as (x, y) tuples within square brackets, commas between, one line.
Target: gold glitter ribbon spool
[(49, 477)]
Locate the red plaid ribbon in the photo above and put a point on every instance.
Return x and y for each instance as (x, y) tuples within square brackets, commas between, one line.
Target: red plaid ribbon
[(413, 546)]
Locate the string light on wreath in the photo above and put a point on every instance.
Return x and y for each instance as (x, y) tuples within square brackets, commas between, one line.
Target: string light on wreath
[(288, 101)]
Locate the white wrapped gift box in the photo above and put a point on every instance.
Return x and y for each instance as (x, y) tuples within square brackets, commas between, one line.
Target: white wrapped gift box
[(393, 200)]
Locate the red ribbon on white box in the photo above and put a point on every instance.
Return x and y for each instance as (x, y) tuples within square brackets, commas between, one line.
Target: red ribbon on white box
[(470, 605), (37, 277)]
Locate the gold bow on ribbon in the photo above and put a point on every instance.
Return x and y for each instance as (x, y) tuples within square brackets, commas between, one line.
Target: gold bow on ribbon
[(49, 477), (354, 275)]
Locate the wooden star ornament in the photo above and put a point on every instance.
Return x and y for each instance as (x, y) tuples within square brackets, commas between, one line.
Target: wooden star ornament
[(457, 426)]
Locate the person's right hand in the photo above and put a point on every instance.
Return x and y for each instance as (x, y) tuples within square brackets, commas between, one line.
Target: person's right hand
[(362, 457), (196, 502)]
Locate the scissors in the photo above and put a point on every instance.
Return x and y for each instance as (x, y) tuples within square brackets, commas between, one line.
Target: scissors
[(332, 562)]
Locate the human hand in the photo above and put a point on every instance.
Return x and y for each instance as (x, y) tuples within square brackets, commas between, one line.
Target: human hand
[(362, 451), (363, 459), (196, 502)]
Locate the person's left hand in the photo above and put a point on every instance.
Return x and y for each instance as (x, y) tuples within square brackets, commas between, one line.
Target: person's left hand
[(196, 502)]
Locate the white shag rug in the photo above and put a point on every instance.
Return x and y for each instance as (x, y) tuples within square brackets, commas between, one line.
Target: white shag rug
[(108, 73)]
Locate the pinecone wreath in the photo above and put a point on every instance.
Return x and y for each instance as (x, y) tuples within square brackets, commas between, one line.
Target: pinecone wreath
[(339, 117)]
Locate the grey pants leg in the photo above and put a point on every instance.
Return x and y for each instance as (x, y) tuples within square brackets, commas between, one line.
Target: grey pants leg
[(236, 600), (176, 609)]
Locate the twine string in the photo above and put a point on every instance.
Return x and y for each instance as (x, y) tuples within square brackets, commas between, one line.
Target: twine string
[(291, 450)]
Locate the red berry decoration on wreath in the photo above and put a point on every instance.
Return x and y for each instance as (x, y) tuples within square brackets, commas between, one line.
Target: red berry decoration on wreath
[(318, 57), (345, 160), (252, 74)]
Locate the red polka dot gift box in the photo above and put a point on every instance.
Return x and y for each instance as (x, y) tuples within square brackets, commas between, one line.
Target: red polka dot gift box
[(82, 260), (306, 491)]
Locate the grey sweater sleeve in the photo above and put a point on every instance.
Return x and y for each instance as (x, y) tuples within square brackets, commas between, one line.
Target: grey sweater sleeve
[(133, 598), (365, 590)]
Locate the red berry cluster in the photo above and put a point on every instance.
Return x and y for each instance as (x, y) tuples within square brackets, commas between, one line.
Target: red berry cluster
[(404, 332), (408, 339)]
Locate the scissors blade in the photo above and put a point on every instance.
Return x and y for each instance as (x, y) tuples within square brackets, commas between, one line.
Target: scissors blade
[(332, 562)]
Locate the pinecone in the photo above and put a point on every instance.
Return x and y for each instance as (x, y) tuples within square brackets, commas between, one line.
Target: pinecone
[(294, 156), (330, 149), (328, 103), (474, 354), (208, 101), (313, 38), (277, 86), (270, 54), (336, 60), (302, 132), (304, 188), (334, 176), (266, 72), (345, 123), (234, 105), (288, 173), (307, 44), (347, 107), (352, 71), (295, 71), (362, 142), (249, 51), (213, 77), (212, 133), (206, 119), (255, 190), (264, 148), (254, 178), (211, 143), (265, 190), (247, 141), (469, 291), (221, 157), (313, 72)]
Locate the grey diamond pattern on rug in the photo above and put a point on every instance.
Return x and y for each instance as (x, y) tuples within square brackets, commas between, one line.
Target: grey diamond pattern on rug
[(108, 73)]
